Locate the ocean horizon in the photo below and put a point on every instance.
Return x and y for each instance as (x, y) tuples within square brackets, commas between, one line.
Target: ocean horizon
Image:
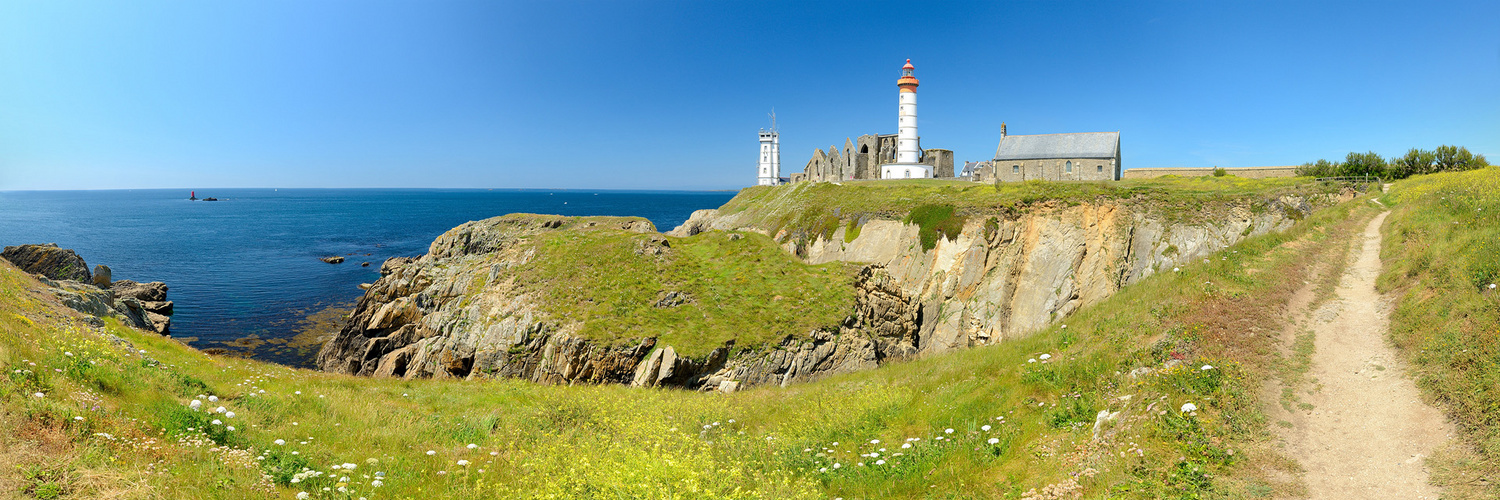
[(245, 273)]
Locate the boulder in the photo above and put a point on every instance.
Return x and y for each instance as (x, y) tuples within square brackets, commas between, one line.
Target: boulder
[(333, 260), (48, 260), (102, 276), (154, 291)]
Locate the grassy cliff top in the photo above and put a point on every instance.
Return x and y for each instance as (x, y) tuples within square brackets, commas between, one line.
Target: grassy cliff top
[(693, 294), (113, 421), (817, 206)]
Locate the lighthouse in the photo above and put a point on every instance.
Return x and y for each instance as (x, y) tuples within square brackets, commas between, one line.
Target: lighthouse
[(770, 155), (908, 149)]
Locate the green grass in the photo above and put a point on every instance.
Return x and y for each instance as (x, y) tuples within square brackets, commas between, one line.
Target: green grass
[(740, 287), (935, 221), (804, 209), (137, 440), (1442, 254)]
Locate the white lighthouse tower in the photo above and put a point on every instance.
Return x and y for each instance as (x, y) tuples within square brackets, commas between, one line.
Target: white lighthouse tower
[(908, 151), (770, 155)]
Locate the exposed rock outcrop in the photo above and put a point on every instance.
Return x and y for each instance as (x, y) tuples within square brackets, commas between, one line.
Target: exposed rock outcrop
[(48, 260), (455, 313), (140, 305)]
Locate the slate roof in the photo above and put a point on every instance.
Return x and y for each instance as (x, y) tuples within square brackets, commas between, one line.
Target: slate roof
[(1048, 146)]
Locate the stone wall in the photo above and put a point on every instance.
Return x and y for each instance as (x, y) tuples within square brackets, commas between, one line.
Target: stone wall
[(941, 161), (1084, 169), (1244, 172)]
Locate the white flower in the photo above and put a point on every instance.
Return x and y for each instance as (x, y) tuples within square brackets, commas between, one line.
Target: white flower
[(298, 392), (219, 410), (494, 453), (825, 469), (302, 495), (349, 466), (376, 483), (431, 453), (1176, 269), (1492, 286), (280, 442), (994, 441), (80, 419), (947, 431), (835, 443), (463, 462), (217, 422), (68, 353), (213, 399), (194, 404), (874, 441), (985, 428), (1207, 367), (1032, 360), (473, 446), (1045, 356), (230, 427), (880, 462), (1187, 407), (228, 414), (731, 420), (837, 465), (906, 445)]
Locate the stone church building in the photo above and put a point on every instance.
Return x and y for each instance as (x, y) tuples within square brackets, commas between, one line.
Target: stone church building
[(861, 159), (1090, 156)]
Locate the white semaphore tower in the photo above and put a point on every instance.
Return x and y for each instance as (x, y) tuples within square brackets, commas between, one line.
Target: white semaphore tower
[(908, 149), (770, 155)]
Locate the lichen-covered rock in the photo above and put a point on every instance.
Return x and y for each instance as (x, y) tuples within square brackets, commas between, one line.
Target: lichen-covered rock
[(48, 260), (102, 276)]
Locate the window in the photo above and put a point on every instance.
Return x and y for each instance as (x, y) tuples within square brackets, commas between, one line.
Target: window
[(1069, 167), (1015, 169), (908, 173), (1100, 168)]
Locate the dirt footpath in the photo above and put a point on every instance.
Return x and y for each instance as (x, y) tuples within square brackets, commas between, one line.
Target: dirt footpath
[(1368, 431)]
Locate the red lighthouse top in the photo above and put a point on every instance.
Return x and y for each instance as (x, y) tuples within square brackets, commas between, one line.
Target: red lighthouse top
[(907, 82)]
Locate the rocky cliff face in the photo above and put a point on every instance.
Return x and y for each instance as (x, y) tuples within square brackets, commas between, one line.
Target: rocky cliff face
[(1005, 277), (455, 313)]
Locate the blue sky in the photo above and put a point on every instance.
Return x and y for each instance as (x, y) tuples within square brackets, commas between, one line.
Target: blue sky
[(669, 95)]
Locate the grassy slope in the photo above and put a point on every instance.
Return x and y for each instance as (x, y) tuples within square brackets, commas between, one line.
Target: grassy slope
[(746, 289), (1442, 252), (616, 442), (818, 208)]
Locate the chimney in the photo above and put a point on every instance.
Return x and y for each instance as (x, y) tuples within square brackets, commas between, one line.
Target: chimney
[(1002, 129)]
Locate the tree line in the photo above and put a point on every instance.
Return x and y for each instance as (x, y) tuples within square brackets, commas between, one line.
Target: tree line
[(1414, 162)]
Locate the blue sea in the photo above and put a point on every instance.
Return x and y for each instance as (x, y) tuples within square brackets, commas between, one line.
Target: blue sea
[(244, 272)]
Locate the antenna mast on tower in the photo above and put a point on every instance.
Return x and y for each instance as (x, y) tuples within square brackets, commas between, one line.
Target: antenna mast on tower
[(773, 119)]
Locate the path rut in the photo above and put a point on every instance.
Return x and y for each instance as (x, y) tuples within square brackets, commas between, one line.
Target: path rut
[(1369, 431)]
